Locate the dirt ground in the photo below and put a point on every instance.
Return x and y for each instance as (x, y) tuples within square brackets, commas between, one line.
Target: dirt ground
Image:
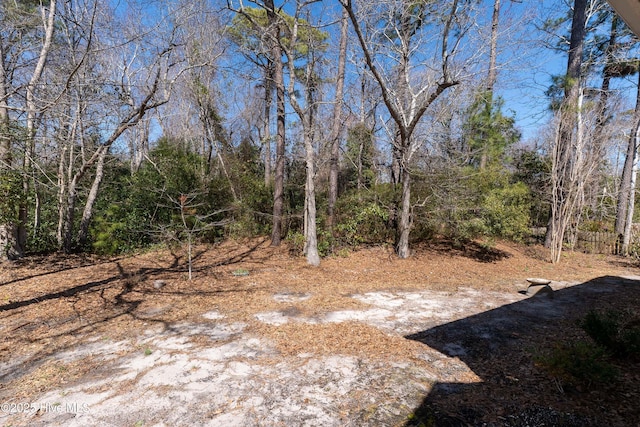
[(258, 338)]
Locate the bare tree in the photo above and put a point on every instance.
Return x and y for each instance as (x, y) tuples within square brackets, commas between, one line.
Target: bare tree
[(273, 33), (137, 81), (13, 235), (10, 247), (569, 168), (391, 35), (626, 194), (306, 112), (336, 125)]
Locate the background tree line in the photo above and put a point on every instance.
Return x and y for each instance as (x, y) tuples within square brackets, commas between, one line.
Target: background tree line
[(329, 124)]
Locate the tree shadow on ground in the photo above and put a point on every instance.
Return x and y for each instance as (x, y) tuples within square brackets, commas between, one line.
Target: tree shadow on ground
[(139, 274), (467, 249), (118, 297), (501, 346), (58, 262)]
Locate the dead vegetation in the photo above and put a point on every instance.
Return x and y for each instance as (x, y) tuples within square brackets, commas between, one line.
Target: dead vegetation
[(49, 305)]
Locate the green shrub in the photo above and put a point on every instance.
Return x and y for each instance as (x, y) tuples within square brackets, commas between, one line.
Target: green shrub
[(482, 203), (45, 240), (253, 214), (578, 363), (296, 242), (505, 212), (118, 230), (325, 243), (362, 221), (616, 331), (10, 195)]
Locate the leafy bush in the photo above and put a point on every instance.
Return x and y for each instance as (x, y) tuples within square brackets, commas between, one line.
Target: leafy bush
[(615, 331), (44, 241), (533, 169), (363, 218), (505, 211), (117, 230), (140, 209), (482, 203), (252, 216), (10, 195)]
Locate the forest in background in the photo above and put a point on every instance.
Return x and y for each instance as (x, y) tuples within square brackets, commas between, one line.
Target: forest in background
[(329, 124)]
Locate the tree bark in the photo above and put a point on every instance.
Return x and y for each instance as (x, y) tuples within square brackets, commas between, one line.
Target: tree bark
[(87, 214), (32, 110), (610, 59), (278, 76), (266, 125), (62, 193), (70, 210), (624, 191), (402, 248), (564, 184), (337, 122), (5, 136), (493, 50), (626, 237), (492, 74), (306, 114), (9, 243), (311, 234)]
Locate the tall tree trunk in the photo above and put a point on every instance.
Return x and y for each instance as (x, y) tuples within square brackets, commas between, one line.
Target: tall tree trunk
[(625, 193), (311, 234), (405, 216), (626, 238), (9, 243), (62, 194), (307, 118), (31, 119), (360, 178), (87, 214), (140, 149), (266, 125), (625, 180), (607, 74), (492, 74), (337, 121), (278, 76), (396, 161), (563, 209), (70, 210), (5, 135)]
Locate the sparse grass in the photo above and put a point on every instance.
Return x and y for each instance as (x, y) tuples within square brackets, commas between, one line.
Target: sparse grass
[(240, 272), (420, 419), (614, 334), (343, 252), (578, 363)]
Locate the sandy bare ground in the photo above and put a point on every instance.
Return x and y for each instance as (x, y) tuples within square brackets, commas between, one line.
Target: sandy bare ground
[(260, 339)]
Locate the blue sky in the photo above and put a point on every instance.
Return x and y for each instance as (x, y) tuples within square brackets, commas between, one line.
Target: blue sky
[(526, 66)]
